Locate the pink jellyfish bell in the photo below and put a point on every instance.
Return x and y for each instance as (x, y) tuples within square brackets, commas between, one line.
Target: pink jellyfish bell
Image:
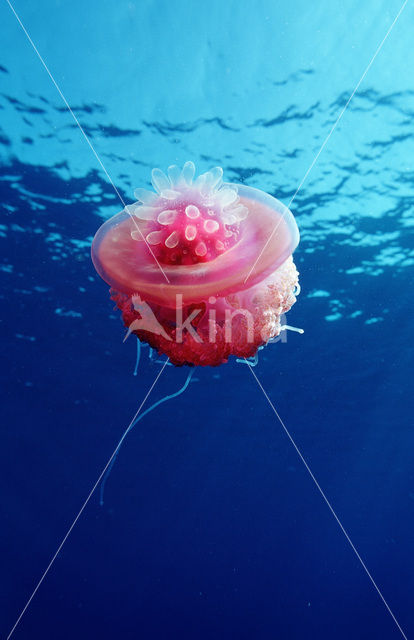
[(200, 269)]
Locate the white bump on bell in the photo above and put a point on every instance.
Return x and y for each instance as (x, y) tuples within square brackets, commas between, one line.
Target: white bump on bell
[(169, 194), (159, 180), (215, 176), (167, 217), (155, 237), (219, 245), (211, 180), (201, 249), (211, 226), (190, 232), (240, 212), (172, 240), (200, 181), (188, 172), (229, 218), (131, 209), (145, 196), (137, 235), (226, 196), (142, 212), (228, 233), (192, 212), (174, 174)]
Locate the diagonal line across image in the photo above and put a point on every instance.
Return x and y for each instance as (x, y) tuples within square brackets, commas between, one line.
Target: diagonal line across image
[(78, 124), (329, 135), (330, 507), (92, 491)]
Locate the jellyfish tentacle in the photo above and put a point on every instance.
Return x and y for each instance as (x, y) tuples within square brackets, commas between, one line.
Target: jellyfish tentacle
[(171, 396), (288, 327), (252, 362), (138, 356)]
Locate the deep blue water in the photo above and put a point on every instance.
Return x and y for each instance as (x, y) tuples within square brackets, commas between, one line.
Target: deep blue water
[(212, 526)]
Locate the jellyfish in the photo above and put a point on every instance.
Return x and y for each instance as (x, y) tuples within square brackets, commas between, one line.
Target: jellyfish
[(200, 269)]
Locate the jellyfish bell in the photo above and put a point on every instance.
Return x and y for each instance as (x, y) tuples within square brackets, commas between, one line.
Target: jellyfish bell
[(209, 262)]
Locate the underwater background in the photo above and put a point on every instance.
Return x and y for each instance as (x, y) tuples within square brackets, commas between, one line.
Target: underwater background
[(212, 527)]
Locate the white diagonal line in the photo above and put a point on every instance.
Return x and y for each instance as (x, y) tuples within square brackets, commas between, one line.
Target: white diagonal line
[(86, 137), (329, 135), (86, 502), (331, 509)]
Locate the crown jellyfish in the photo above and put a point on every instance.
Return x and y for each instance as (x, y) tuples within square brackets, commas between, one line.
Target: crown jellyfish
[(200, 269)]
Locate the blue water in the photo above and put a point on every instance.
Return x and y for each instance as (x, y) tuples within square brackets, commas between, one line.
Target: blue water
[(212, 527)]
